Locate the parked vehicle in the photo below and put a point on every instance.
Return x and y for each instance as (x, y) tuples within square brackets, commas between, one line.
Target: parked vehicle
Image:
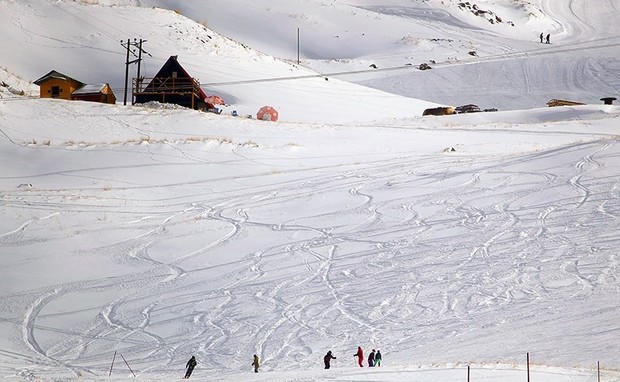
[(439, 111), (470, 108)]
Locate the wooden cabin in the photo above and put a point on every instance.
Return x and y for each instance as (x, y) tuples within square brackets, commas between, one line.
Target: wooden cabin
[(562, 102), (57, 85), (172, 84), (101, 93)]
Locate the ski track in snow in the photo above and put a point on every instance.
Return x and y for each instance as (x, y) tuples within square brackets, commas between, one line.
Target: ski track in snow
[(423, 255), (511, 253)]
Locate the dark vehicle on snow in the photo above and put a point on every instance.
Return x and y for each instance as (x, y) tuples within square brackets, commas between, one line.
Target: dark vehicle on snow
[(471, 108)]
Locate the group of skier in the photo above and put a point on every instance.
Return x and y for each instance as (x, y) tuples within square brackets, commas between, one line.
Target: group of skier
[(374, 359)]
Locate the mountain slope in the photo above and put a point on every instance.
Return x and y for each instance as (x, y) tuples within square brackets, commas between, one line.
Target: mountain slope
[(42, 34), (149, 234)]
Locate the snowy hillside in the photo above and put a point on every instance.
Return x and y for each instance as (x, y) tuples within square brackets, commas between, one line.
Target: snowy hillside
[(510, 69), (144, 235), (38, 31), (337, 41)]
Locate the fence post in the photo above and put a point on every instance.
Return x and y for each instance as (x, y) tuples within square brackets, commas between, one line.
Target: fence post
[(528, 367), (467, 373)]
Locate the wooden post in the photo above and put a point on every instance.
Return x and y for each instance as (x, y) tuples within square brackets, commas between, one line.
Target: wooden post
[(598, 371), (112, 365), (297, 46), (128, 365), (138, 74), (467, 373), (126, 72), (528, 367)]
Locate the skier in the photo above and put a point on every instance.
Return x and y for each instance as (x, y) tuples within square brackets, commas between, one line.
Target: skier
[(360, 356), (541, 37), (256, 363), (371, 358), (378, 358), (191, 364), (328, 357), (548, 36)]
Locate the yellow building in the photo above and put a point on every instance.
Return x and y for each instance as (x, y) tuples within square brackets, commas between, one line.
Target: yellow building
[(57, 85)]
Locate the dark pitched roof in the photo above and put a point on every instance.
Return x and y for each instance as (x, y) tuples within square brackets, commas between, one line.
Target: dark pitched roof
[(55, 75), (172, 65)]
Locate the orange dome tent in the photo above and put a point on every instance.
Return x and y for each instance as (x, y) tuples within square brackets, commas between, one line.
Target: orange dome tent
[(267, 113), (215, 100)]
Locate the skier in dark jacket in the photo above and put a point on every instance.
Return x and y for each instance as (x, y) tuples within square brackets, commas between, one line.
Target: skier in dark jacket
[(371, 358), (360, 356), (378, 358), (191, 364), (328, 357), (256, 363)]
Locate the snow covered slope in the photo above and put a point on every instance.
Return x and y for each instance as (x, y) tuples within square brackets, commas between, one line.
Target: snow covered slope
[(581, 63), (157, 233), (83, 41), (164, 233)]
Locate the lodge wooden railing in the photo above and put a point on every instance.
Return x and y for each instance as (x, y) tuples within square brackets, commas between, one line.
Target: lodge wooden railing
[(162, 86)]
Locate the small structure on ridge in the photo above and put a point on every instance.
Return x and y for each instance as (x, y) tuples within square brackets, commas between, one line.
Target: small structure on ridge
[(608, 100), (562, 102)]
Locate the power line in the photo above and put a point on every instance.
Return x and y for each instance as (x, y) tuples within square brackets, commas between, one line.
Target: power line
[(491, 58)]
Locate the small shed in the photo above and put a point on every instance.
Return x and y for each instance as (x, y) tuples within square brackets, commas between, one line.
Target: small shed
[(95, 93), (172, 84), (57, 85), (562, 102)]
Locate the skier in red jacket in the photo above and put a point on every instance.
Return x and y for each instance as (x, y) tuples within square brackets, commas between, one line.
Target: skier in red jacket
[(360, 356)]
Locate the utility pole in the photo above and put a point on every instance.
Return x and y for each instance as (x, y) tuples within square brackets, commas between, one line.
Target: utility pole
[(128, 46)]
